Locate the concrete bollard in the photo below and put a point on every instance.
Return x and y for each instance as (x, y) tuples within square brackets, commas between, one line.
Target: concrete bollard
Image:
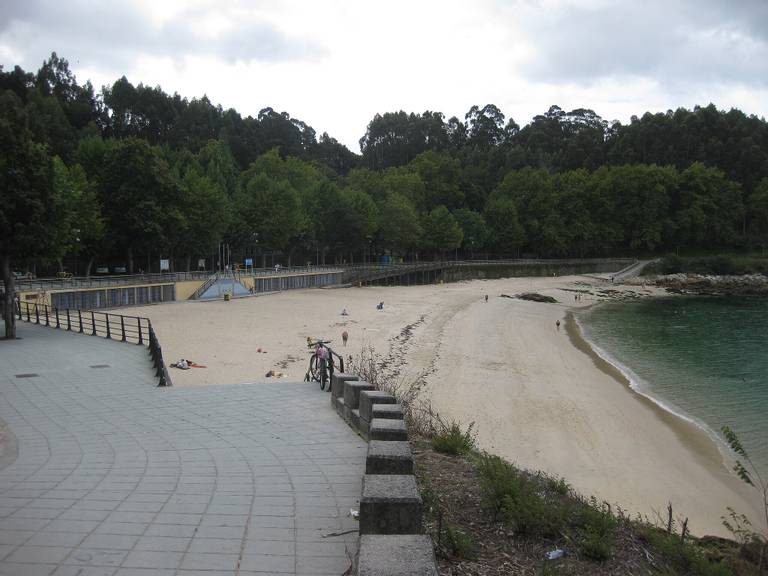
[(337, 385), (388, 458), (352, 391), (387, 429), (390, 504), (370, 397), (396, 555)]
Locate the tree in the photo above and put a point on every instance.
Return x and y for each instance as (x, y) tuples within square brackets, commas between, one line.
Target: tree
[(758, 210), (142, 202), (507, 235), (710, 210), (269, 207), (474, 228), (79, 226), (26, 198), (441, 232), (400, 227)]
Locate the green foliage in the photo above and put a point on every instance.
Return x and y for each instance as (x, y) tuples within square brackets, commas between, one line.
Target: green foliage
[(457, 542), (451, 439), (441, 232), (567, 184), (680, 557)]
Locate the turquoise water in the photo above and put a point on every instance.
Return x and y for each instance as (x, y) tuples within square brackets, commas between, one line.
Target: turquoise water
[(703, 358)]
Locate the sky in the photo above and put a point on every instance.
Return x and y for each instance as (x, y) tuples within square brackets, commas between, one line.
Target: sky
[(336, 63)]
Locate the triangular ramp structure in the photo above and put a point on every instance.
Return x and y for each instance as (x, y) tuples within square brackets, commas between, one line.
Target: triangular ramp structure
[(222, 286)]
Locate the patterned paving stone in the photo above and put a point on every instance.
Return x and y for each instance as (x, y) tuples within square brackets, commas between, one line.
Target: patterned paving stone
[(114, 476)]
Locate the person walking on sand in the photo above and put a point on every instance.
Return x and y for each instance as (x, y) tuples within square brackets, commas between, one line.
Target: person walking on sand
[(557, 323), (344, 337)]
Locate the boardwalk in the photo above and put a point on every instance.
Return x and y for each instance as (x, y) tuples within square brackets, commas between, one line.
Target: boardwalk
[(104, 474)]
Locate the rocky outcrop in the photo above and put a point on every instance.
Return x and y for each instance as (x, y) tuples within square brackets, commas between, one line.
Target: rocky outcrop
[(712, 285)]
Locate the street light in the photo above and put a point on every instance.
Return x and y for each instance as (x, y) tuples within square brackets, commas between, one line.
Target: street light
[(77, 246)]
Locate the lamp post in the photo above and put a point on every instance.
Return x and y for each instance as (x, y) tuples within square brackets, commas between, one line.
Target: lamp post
[(77, 246)]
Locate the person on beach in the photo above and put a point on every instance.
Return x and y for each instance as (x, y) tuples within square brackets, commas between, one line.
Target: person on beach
[(486, 298), (344, 337), (344, 312), (557, 323)]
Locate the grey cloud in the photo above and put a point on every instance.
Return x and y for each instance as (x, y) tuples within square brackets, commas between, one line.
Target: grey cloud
[(111, 36), (676, 43)]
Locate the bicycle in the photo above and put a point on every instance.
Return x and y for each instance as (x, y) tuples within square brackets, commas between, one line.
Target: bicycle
[(322, 364)]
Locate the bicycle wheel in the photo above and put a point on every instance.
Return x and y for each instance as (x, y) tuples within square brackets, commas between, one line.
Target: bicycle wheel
[(323, 374), (314, 372)]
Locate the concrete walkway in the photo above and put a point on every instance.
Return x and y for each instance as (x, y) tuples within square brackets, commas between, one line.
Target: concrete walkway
[(115, 477)]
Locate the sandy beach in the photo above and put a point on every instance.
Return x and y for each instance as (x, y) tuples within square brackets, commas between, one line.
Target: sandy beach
[(538, 394)]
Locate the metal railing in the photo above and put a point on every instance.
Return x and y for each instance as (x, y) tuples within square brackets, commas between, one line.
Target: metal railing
[(133, 329), (207, 284), (25, 285)]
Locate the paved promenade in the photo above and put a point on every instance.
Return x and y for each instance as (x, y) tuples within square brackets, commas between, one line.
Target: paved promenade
[(103, 474)]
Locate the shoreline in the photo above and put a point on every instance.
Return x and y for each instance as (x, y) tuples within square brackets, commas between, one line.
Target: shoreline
[(698, 436)]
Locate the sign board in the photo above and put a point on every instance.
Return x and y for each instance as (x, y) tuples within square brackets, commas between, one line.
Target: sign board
[(248, 262), (165, 265)]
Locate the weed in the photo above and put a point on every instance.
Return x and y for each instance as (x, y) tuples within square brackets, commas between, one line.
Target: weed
[(451, 439), (457, 543)]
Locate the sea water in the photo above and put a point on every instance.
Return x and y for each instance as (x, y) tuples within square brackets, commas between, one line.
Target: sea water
[(704, 358)]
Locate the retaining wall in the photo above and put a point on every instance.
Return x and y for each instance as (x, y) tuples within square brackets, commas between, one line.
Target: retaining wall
[(391, 539)]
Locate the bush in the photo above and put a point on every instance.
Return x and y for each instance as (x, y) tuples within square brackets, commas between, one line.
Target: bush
[(597, 524), (498, 479), (530, 514), (452, 440)]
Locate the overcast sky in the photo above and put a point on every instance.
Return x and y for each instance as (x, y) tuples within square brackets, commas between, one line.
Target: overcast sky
[(334, 64)]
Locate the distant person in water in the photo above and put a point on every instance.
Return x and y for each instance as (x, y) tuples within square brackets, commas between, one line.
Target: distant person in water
[(486, 298), (344, 337), (380, 306), (557, 323), (344, 312)]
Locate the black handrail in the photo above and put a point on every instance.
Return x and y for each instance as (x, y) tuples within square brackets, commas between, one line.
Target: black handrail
[(133, 329)]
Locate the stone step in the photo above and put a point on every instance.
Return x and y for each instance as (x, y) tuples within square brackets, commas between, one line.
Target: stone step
[(370, 397), (388, 411), (387, 429), (396, 555), (390, 504), (388, 458)]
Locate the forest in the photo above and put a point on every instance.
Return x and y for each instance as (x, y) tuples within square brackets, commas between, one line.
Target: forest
[(130, 174)]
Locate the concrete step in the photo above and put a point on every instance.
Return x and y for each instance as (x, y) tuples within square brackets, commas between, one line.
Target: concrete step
[(388, 458), (396, 555), (390, 504), (387, 429)]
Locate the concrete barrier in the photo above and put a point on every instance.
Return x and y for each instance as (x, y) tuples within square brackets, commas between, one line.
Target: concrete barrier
[(390, 504), (396, 555), (388, 458), (337, 385), (387, 429), (352, 391)]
